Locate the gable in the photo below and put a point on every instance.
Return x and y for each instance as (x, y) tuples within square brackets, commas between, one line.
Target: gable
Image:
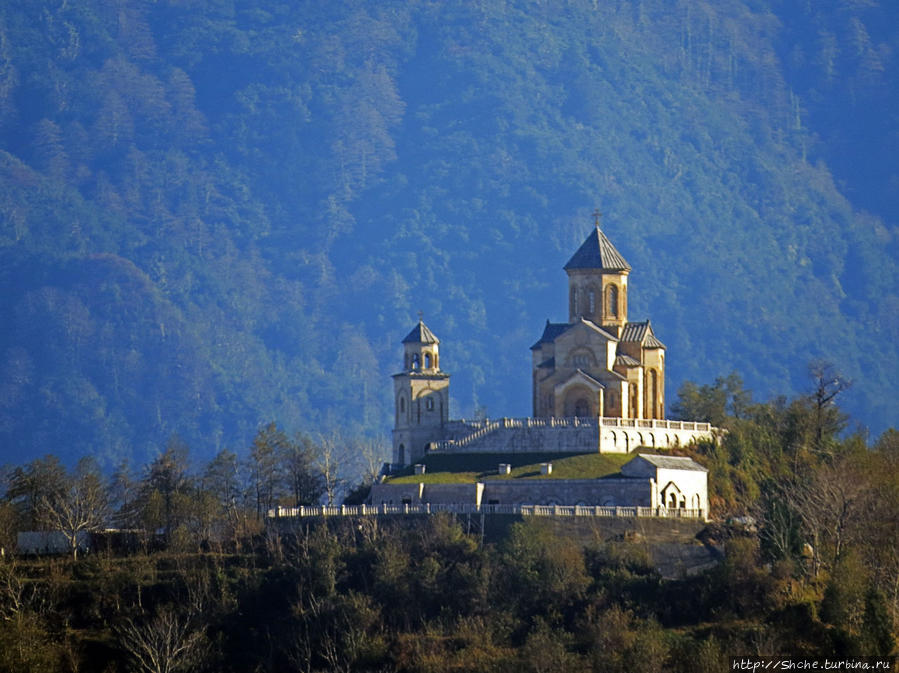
[(584, 345)]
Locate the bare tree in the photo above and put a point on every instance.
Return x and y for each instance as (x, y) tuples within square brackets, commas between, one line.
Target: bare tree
[(329, 460), (373, 452), (827, 383), (833, 504), (164, 644), (12, 590), (79, 505)]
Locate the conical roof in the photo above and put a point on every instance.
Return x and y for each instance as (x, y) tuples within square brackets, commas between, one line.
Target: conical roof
[(420, 334), (597, 252)]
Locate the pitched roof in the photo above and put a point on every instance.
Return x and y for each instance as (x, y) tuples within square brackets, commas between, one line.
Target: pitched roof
[(672, 462), (652, 342), (550, 332), (596, 328), (624, 360), (592, 379), (420, 334), (640, 332), (597, 252)]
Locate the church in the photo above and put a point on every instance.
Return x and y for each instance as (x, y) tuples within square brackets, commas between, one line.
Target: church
[(598, 379)]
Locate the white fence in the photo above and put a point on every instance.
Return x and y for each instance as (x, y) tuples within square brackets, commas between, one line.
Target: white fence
[(520, 510)]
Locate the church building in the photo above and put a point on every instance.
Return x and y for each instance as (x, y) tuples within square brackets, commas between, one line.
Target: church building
[(598, 363), (598, 379)]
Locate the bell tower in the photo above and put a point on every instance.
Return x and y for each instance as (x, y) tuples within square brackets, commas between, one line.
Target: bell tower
[(421, 395), (597, 282)]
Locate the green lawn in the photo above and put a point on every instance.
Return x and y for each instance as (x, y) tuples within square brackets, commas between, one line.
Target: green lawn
[(463, 468)]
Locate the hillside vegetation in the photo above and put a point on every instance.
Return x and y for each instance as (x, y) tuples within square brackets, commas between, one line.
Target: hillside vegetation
[(214, 214), (197, 579)]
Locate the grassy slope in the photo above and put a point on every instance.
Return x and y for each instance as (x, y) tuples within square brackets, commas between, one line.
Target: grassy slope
[(467, 468)]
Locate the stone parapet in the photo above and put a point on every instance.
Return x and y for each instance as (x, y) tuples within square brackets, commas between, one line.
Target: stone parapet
[(567, 435)]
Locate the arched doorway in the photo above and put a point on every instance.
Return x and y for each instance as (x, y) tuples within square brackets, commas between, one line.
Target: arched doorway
[(582, 408)]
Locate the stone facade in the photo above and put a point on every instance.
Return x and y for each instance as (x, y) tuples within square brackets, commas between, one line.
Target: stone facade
[(421, 394), (598, 364)]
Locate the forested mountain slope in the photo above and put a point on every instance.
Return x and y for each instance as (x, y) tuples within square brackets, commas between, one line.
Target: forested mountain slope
[(216, 213)]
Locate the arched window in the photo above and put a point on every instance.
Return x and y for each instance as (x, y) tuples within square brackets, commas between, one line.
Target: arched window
[(427, 360), (415, 361), (612, 300), (592, 300), (582, 358), (573, 300), (402, 405), (653, 393), (430, 404), (402, 454)]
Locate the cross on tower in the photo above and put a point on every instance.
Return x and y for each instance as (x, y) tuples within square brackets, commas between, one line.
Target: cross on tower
[(596, 216)]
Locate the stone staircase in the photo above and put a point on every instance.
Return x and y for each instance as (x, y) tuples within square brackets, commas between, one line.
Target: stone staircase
[(521, 435)]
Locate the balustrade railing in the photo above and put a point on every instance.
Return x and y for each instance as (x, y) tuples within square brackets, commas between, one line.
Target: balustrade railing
[(464, 508), (480, 429)]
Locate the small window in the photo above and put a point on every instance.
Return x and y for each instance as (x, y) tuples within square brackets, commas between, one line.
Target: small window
[(415, 361), (427, 360), (592, 296), (402, 405), (613, 301), (430, 404)]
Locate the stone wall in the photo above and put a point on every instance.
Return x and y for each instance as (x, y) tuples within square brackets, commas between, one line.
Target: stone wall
[(615, 492), (396, 494), (451, 494), (605, 492), (567, 435), (624, 435)]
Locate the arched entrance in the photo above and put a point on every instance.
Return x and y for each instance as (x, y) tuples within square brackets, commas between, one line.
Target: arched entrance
[(582, 408), (578, 401)]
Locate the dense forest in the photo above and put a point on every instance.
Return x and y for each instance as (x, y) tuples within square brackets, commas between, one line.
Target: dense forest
[(807, 519), (218, 213)]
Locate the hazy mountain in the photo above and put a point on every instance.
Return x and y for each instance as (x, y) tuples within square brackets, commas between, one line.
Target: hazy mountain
[(218, 213)]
